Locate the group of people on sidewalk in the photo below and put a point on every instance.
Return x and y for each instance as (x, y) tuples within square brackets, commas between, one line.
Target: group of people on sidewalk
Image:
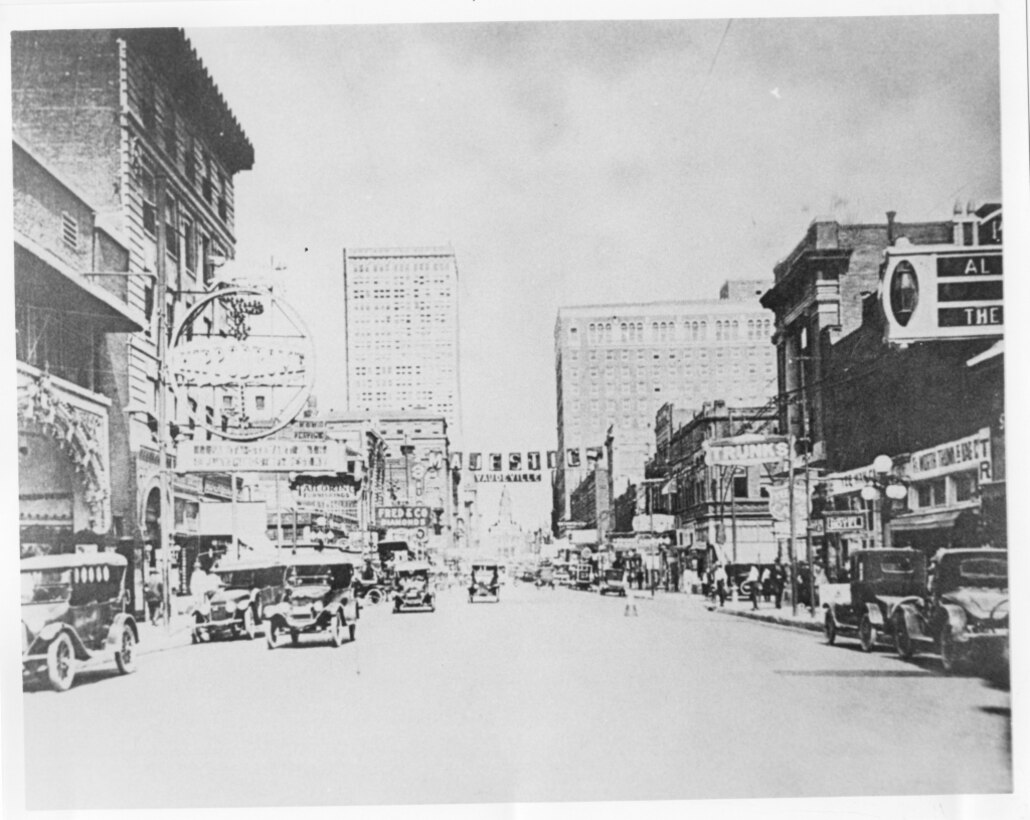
[(767, 583)]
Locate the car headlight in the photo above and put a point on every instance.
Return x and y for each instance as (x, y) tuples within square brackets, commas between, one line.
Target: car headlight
[(242, 604), (317, 606)]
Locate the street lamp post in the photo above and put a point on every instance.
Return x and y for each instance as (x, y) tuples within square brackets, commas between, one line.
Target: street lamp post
[(883, 489)]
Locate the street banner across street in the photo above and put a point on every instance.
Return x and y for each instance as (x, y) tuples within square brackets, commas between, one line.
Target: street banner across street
[(261, 456)]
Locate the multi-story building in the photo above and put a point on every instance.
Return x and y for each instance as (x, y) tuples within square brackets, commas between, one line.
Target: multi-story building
[(401, 316), (722, 508), (934, 408), (133, 122), (817, 299), (418, 474), (616, 364), (63, 326)]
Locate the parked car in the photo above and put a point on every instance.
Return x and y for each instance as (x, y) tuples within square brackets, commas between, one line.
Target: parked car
[(562, 577), (237, 607), (412, 590), (963, 615), (880, 580), (73, 610), (613, 581), (484, 584), (319, 599)]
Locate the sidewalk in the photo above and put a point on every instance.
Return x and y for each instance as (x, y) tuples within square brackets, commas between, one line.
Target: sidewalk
[(161, 637), (768, 613)]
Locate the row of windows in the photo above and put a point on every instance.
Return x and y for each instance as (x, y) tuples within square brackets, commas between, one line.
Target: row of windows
[(766, 351), (694, 330), (210, 180), (392, 266)]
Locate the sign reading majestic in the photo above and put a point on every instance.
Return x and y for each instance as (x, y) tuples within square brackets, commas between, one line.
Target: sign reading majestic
[(242, 363), (746, 449)]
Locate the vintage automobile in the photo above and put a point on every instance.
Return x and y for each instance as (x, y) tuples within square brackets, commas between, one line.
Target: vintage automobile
[(880, 580), (319, 598), (613, 581), (412, 588), (562, 577), (236, 608), (74, 609), (484, 583), (964, 613)]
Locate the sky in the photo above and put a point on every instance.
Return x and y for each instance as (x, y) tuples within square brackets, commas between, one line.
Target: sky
[(587, 161)]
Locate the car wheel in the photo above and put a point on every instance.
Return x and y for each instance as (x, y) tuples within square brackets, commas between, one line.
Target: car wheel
[(949, 652), (126, 656), (866, 634), (830, 628), (902, 640), (294, 637), (374, 596), (336, 629), (249, 623), (272, 634), (60, 663)]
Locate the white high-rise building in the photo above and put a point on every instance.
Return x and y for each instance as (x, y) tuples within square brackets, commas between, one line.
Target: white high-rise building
[(401, 313)]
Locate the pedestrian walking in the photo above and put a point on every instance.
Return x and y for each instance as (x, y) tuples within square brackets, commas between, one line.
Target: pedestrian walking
[(720, 583), (779, 581), (153, 595), (766, 583), (753, 581)]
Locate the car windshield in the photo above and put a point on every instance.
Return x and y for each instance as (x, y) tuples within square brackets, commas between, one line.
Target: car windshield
[(613, 575), (237, 579), (984, 572), (897, 566), (46, 586)]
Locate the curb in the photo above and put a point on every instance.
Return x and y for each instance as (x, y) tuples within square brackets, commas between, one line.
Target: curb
[(778, 620)]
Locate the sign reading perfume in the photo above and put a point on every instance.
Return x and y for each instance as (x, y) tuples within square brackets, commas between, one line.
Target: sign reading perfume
[(241, 362)]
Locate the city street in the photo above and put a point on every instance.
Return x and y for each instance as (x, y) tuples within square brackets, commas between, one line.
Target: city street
[(549, 695)]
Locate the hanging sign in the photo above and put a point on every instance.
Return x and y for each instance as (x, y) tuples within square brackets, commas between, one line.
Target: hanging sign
[(241, 363), (745, 450)]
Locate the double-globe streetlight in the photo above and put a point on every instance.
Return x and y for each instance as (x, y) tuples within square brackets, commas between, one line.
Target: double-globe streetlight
[(885, 486)]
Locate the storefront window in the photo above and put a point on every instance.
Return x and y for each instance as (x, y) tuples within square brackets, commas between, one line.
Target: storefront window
[(965, 486), (932, 493)]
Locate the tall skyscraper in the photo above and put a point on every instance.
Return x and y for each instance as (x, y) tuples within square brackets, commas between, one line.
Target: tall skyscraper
[(401, 312), (616, 364)]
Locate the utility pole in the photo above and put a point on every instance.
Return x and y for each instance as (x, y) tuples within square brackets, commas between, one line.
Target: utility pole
[(164, 478), (808, 493)]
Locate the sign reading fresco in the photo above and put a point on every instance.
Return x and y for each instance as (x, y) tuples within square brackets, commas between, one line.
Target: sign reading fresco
[(404, 516), (242, 362), (260, 456), (945, 291), (746, 449)]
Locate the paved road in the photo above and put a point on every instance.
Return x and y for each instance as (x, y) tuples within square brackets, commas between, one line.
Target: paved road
[(547, 696)]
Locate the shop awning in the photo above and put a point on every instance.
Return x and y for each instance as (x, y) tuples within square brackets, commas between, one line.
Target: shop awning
[(42, 278), (934, 520)]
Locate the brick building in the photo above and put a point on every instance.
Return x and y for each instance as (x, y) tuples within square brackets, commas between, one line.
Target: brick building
[(133, 121)]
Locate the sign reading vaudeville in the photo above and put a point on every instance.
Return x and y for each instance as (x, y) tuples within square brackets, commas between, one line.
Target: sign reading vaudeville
[(241, 363), (746, 449), (404, 516), (506, 478), (260, 456)]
